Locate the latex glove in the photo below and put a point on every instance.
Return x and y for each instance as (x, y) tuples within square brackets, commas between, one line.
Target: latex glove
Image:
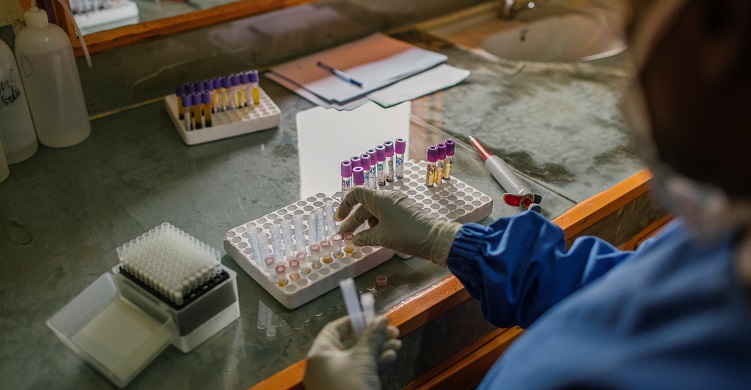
[(332, 365), (396, 222)]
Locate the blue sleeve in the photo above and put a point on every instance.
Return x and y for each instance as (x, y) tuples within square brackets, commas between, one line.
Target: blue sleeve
[(519, 267)]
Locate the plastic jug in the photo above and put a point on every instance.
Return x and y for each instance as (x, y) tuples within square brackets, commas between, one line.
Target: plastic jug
[(16, 128)]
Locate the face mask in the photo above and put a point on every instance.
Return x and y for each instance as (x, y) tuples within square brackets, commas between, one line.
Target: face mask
[(706, 209)]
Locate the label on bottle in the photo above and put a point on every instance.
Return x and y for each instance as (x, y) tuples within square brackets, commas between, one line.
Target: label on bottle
[(9, 90)]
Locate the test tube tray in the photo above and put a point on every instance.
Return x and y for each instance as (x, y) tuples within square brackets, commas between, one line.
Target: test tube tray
[(453, 200), (230, 123)]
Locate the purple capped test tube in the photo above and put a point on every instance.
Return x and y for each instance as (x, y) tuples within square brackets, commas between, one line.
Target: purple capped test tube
[(439, 164), (195, 110), (227, 93), (346, 169), (180, 92), (358, 176), (400, 147), (355, 160), (450, 146), (390, 173), (432, 158), (255, 91), (187, 102), (206, 108), (373, 170), (381, 165), (216, 95), (235, 94), (245, 89), (366, 166)]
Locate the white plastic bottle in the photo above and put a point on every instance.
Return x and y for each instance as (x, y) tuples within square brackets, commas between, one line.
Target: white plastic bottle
[(4, 171), (50, 77), (16, 128)]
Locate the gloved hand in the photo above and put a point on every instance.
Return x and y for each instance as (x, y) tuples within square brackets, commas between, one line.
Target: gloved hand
[(396, 222), (333, 366)]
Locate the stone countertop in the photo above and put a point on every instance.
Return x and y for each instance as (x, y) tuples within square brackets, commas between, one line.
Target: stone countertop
[(65, 211)]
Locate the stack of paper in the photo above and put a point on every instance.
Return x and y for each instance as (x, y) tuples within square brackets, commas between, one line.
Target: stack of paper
[(375, 68)]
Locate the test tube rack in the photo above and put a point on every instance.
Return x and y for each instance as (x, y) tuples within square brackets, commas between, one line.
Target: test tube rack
[(230, 123), (453, 200)]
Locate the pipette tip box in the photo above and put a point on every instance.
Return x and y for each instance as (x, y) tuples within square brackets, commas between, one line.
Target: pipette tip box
[(453, 200)]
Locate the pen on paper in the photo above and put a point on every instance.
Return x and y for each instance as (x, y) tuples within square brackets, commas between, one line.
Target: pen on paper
[(339, 73)]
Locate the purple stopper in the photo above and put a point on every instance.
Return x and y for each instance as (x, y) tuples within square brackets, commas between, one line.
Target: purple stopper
[(186, 100), (244, 78), (365, 161), (450, 144), (346, 168), (441, 151), (180, 90), (235, 78), (381, 153), (196, 100), (189, 89), (373, 158), (218, 83), (206, 98), (208, 85), (198, 87), (358, 176), (432, 154), (401, 146), (226, 82), (389, 148), (355, 160), (253, 76)]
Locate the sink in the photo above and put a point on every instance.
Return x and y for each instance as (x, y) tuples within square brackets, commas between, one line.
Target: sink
[(550, 33)]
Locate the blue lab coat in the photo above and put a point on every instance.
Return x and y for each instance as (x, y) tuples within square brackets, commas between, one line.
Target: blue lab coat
[(671, 315)]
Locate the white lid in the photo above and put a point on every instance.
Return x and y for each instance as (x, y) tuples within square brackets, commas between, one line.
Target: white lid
[(110, 333), (35, 17)]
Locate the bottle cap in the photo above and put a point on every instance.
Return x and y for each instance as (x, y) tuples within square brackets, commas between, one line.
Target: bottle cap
[(346, 168), (187, 101), (365, 161), (281, 270), (432, 154), (269, 261), (206, 98), (372, 154), (190, 89), (198, 87), (389, 148), (358, 175), (253, 75), (35, 17), (314, 248), (336, 237), (401, 146), (325, 244), (355, 160), (208, 85), (196, 100), (382, 280), (294, 264), (300, 256), (244, 78), (235, 79), (218, 82), (180, 90), (450, 145), (380, 153), (226, 82), (349, 236), (441, 151)]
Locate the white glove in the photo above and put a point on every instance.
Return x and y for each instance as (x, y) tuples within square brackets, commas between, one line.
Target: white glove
[(396, 222), (333, 366)]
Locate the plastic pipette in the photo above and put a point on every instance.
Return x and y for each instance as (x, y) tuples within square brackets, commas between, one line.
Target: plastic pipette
[(519, 194)]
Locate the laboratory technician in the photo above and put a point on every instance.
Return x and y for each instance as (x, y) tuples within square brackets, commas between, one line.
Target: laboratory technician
[(675, 313)]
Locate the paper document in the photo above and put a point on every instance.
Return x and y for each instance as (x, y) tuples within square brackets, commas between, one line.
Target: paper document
[(429, 81), (375, 61)]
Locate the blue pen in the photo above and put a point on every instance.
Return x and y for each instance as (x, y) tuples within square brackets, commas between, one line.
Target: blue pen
[(339, 73)]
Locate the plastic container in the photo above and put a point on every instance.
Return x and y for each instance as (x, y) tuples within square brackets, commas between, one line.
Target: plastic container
[(4, 171), (16, 128), (50, 77)]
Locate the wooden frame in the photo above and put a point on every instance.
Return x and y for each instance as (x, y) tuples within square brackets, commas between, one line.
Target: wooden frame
[(436, 300), (128, 35)]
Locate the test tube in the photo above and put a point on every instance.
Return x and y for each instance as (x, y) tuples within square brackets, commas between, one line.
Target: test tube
[(346, 170), (381, 161), (326, 252), (255, 251), (245, 88), (337, 251), (400, 147), (390, 174), (206, 100), (195, 111), (365, 164), (450, 146), (315, 256), (367, 300), (289, 246), (313, 228), (432, 158), (358, 176), (439, 164), (227, 93), (302, 258), (187, 101), (353, 305), (276, 241), (355, 160), (253, 75), (294, 269), (373, 174), (299, 234), (216, 95), (281, 275), (349, 245), (328, 208), (263, 249), (269, 263), (180, 92), (236, 90), (321, 219)]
